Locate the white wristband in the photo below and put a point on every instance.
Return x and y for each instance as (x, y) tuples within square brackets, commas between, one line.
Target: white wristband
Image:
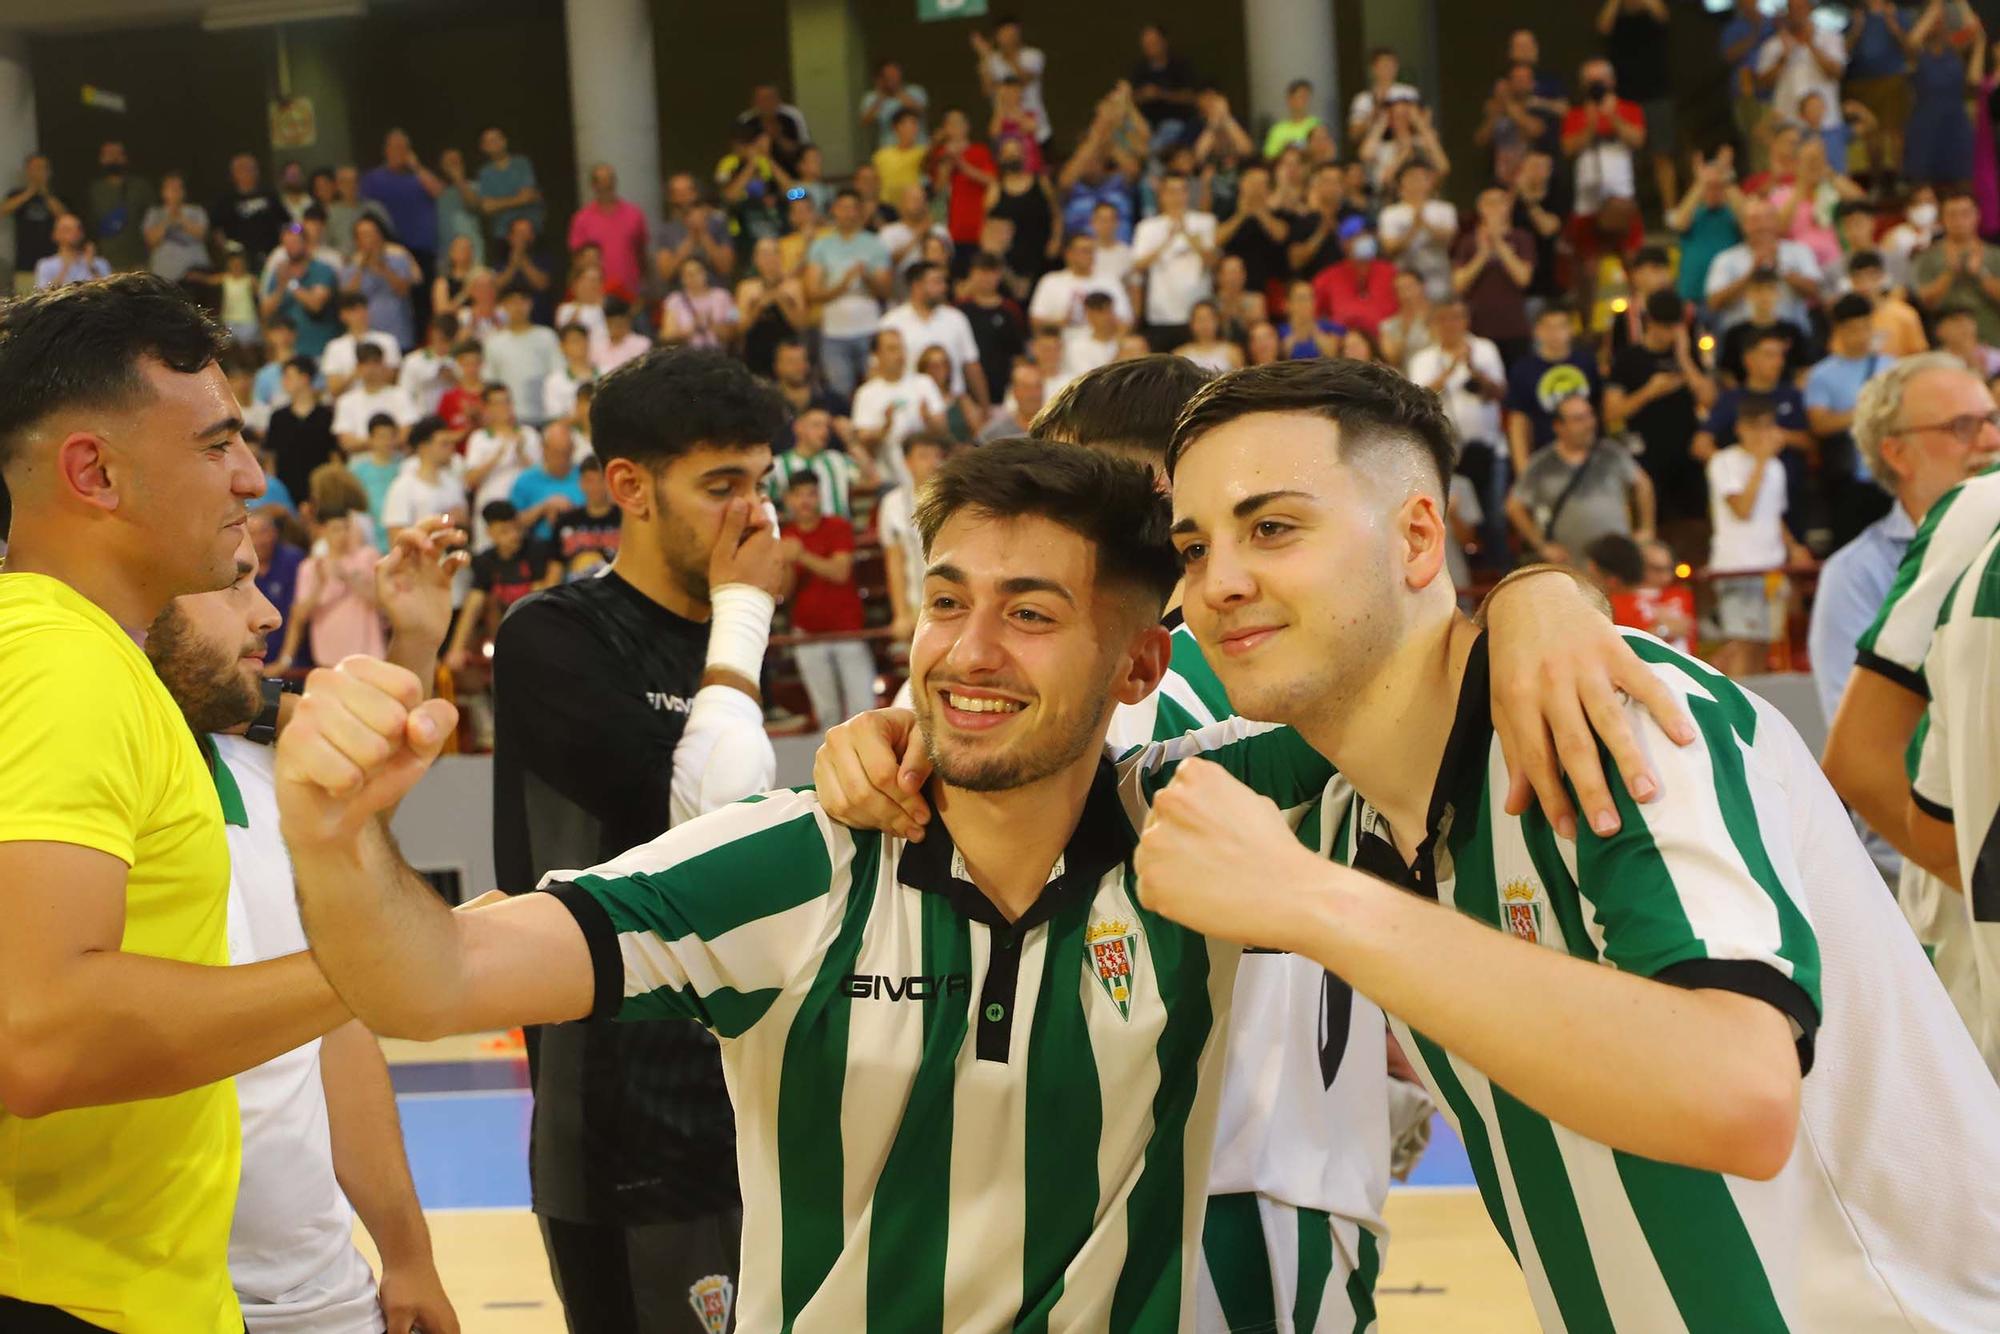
[(739, 628)]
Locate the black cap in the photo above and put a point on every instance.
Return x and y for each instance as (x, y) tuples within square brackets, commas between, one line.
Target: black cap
[(1853, 306)]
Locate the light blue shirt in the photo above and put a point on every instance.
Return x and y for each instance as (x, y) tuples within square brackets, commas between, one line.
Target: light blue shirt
[(1835, 385), (535, 485), (498, 182), (1853, 584)]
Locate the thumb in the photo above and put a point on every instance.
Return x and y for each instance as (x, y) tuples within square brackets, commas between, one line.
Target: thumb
[(915, 766), (427, 728)]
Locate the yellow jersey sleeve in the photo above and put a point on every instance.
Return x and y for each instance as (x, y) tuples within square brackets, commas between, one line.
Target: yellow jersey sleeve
[(73, 730)]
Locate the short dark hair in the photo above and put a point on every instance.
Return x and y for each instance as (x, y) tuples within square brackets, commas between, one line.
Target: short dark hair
[(657, 407), (490, 388), (1554, 308), (351, 301), (277, 322), (80, 345), (1097, 301), (1756, 407), (616, 307), (1372, 405), (1110, 502), (368, 354), (1126, 406), (380, 419), (1650, 254), (572, 328), (916, 440), (465, 345), (919, 271), (1297, 84), (304, 365), (1864, 259), (1763, 336), (446, 324), (1853, 306), (1666, 307), (590, 463), (423, 429), (902, 114), (1618, 556), (806, 478), (983, 262), (498, 511)]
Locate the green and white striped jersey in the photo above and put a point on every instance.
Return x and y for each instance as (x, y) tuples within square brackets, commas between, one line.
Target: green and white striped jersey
[(1958, 780), (1896, 647), (837, 475), (1305, 1098), (945, 1122), (1744, 875)]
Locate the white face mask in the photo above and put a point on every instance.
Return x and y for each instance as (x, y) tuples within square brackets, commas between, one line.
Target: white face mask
[(1363, 248), (1923, 216)]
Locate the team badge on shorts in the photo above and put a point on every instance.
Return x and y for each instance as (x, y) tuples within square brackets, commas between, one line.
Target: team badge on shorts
[(1523, 909), (713, 1298), (1114, 957)]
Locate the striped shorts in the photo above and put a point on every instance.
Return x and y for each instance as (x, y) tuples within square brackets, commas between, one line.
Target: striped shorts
[(1271, 1268)]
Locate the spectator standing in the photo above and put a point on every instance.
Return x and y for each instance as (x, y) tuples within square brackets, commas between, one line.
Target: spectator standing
[(839, 474), (1025, 201), (1763, 380), (1535, 212), (1510, 127), (496, 455), (74, 259), (507, 186), (176, 233), (1552, 370), (1106, 166), (1492, 267), (902, 544), (1899, 330), (1602, 137), (340, 358), (278, 563), (1637, 39), (552, 487), (430, 482), (770, 307), (458, 212), (778, 122), (1173, 251), (1298, 122), (622, 342), (1163, 89), (1961, 272), (1800, 58), (1360, 291), (1417, 231), (928, 320), (1578, 490), (118, 201), (617, 227), (248, 212), (427, 372), (1096, 341), (900, 162), (586, 537), (375, 465), (1409, 329), (896, 400), (411, 195), (1372, 103), (697, 314), (798, 388), (34, 208), (384, 275), (1057, 304), (347, 208), (887, 96), (1730, 273), (559, 388), (1762, 299), (1113, 263), (691, 229), (1938, 148), (1751, 546), (522, 355), (1832, 389), (508, 568), (839, 674), (373, 394), (961, 172), (847, 275), (1313, 233), (1026, 396), (1659, 391), (1878, 76), (300, 290), (334, 609), (1257, 235), (999, 325), (280, 345), (300, 433), (1742, 42), (1705, 221), (1465, 371), (1005, 56), (905, 236)]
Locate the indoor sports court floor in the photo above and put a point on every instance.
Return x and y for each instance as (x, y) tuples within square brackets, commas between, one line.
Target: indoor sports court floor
[(464, 1104)]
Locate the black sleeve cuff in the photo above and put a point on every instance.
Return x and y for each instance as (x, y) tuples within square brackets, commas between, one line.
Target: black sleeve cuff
[(1931, 808), (607, 967), (1893, 671), (1747, 977)]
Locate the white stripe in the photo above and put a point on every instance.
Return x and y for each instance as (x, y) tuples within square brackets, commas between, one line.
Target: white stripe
[(1958, 534), (684, 841), (741, 959), (1635, 1291)]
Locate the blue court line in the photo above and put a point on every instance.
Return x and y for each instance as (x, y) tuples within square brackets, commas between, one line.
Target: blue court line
[(469, 1150), (459, 1076)]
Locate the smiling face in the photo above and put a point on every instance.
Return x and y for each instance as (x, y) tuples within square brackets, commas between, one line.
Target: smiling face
[(208, 649), (1019, 653), (1295, 581)]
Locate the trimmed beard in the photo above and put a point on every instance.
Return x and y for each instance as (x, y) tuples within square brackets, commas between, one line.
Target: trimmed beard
[(204, 680)]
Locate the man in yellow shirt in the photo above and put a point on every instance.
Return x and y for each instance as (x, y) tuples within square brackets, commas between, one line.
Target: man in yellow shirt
[(121, 448), (901, 163)]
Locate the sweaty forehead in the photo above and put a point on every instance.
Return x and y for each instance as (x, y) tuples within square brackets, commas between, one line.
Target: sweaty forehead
[(986, 549), (1255, 455)]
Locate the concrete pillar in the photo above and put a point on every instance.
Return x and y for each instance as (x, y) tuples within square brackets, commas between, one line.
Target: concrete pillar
[(17, 135), (829, 76), (613, 102), (1286, 40)]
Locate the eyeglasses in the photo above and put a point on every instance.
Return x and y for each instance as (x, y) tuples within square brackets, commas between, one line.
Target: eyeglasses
[(1966, 427)]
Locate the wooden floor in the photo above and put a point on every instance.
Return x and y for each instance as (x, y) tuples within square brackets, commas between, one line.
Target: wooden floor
[(1447, 1271)]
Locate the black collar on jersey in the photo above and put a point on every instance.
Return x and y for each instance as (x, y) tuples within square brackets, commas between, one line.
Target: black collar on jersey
[(1461, 776), (1102, 839)]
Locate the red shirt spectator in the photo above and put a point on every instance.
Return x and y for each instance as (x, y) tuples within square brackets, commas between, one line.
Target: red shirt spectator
[(970, 168), (617, 228), (1665, 612), (820, 606), (1359, 294)]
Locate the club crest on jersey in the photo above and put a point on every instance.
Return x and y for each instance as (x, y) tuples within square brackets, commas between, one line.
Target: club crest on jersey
[(713, 1298), (1114, 959), (1522, 908)]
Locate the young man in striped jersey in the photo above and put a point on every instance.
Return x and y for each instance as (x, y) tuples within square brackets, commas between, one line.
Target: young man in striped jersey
[(1940, 422), (1619, 1023)]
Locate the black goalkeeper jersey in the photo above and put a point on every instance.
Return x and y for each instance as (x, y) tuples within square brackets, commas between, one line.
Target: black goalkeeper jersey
[(592, 683)]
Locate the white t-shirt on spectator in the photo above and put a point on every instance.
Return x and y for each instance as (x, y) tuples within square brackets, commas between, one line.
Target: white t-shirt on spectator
[(1177, 277), (590, 317), (338, 357), (897, 235), (1032, 63), (945, 327), (1083, 351), (1362, 108), (424, 377), (1735, 263), (1802, 74), (1058, 299), (1114, 262), (559, 393), (481, 448), (411, 498), (896, 408), (1429, 258), (352, 409), (1758, 542), (1475, 416), (522, 361), (895, 521)]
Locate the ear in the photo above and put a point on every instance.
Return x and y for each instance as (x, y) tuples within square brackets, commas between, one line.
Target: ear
[(631, 487), (84, 469), (1425, 533), (1150, 652)]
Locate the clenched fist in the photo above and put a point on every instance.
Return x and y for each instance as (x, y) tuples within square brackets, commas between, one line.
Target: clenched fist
[(1220, 859), (360, 739)]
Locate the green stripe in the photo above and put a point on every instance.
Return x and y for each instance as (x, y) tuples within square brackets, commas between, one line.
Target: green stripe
[(1736, 707), (1239, 1263), (1277, 764), (1986, 596), (1170, 720), (1471, 1133), (726, 1012), (1148, 1296), (758, 874), (1549, 1206), (811, 1083), (1188, 663), (1315, 1267), (1912, 567), (1564, 901), (1704, 1251), (910, 1228), (1913, 754), (1361, 1283), (1063, 1123)]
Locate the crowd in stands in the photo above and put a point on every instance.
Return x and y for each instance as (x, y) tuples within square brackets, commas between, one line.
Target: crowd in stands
[(1652, 348)]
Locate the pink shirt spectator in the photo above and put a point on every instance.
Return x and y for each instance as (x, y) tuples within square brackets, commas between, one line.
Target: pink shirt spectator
[(344, 620), (619, 233), (705, 319), (1812, 225)]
